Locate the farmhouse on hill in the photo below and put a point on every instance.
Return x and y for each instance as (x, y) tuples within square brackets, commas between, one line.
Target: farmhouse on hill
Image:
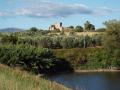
[(56, 26)]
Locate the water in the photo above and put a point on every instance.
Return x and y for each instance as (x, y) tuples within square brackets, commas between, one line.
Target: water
[(90, 81)]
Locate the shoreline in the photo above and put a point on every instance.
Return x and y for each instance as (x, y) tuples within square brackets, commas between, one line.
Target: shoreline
[(99, 70)]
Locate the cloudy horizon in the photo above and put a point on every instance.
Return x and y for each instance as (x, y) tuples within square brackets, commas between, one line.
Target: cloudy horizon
[(42, 13)]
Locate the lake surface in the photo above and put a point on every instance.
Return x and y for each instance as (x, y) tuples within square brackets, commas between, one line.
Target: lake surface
[(89, 81)]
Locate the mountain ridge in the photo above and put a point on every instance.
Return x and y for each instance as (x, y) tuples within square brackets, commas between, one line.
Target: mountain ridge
[(11, 29)]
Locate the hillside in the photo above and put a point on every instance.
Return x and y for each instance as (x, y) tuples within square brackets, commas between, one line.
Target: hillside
[(15, 79), (11, 30)]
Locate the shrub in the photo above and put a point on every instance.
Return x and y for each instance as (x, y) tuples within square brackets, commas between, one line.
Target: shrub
[(84, 58), (37, 60), (9, 39), (79, 29), (112, 42)]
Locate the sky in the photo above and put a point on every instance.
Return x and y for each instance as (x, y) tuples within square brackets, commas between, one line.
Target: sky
[(42, 13)]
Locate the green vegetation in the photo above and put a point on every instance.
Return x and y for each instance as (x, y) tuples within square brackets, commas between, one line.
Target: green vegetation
[(112, 42), (32, 49), (105, 57), (79, 29), (101, 30), (30, 58), (15, 79), (88, 26), (45, 52), (56, 41), (9, 39), (84, 58)]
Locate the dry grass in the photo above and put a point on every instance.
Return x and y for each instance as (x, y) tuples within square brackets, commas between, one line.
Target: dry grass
[(89, 33), (85, 33), (15, 79), (78, 33)]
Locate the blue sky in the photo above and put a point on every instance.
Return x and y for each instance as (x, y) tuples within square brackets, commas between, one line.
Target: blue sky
[(42, 13)]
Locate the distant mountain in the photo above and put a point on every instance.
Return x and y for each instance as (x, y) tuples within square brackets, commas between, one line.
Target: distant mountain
[(11, 30)]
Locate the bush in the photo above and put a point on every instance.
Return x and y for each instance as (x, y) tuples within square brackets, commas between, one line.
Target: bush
[(101, 30), (112, 42), (37, 60), (84, 58), (79, 29), (9, 39)]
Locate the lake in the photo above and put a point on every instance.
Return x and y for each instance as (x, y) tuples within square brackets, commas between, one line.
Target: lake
[(89, 80)]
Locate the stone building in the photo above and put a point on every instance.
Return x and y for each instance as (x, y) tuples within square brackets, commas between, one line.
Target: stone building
[(56, 26)]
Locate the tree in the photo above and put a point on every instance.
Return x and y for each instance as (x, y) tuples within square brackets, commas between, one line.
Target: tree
[(112, 42), (92, 28), (88, 26), (33, 29), (79, 29), (112, 36), (71, 27)]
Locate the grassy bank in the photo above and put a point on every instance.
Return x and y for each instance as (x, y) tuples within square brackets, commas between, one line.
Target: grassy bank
[(100, 70), (15, 79)]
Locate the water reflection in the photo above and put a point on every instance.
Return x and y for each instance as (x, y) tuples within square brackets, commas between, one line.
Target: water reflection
[(90, 81)]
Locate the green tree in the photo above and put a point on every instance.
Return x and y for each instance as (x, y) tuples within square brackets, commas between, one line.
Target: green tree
[(88, 26), (92, 27), (79, 29), (112, 42), (71, 27), (33, 29)]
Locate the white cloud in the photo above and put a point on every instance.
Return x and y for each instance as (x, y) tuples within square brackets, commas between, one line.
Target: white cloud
[(2, 13), (105, 11), (50, 9), (47, 9)]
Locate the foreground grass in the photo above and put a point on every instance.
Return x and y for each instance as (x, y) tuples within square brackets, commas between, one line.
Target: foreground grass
[(15, 79)]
